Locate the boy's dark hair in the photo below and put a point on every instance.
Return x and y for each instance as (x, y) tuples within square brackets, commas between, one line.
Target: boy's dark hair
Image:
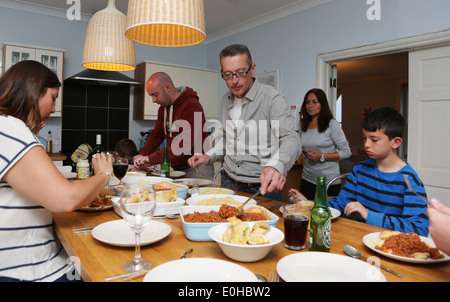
[(126, 148), (387, 119)]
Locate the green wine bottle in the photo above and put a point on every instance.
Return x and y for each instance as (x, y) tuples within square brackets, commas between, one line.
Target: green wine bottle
[(319, 233), (165, 164)]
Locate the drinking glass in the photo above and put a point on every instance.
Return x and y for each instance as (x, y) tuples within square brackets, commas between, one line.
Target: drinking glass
[(137, 205), (120, 167), (108, 154), (296, 220)]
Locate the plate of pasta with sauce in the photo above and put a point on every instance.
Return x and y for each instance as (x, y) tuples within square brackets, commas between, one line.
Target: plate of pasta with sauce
[(405, 247)]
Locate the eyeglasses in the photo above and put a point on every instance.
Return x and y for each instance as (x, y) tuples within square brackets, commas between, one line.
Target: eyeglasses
[(238, 74)]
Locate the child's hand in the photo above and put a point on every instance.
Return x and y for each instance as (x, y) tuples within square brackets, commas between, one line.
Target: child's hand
[(355, 206), (297, 195)]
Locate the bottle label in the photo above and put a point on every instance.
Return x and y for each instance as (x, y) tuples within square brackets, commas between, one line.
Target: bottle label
[(327, 233)]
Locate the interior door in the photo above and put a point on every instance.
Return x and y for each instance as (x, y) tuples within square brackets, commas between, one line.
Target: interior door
[(429, 119)]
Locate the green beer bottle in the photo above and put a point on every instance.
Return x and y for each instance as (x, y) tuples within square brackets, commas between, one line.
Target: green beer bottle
[(165, 164), (319, 233)]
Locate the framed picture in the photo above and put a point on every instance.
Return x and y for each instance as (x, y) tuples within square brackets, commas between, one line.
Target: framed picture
[(269, 78)]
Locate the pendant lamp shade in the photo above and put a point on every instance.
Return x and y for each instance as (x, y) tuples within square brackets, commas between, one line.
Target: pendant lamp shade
[(166, 23), (106, 47)]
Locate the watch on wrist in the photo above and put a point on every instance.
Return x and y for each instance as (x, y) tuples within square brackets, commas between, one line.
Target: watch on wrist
[(322, 158)]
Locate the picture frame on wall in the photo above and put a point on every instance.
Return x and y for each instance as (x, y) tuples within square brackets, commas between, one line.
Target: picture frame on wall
[(270, 78)]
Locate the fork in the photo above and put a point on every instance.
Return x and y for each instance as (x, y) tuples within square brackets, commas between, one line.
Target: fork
[(198, 173), (408, 184), (273, 277)]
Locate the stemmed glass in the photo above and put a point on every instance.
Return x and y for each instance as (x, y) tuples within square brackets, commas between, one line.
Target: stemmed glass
[(120, 167), (137, 205)]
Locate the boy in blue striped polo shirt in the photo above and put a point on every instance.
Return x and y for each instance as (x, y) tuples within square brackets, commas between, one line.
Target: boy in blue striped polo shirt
[(376, 188)]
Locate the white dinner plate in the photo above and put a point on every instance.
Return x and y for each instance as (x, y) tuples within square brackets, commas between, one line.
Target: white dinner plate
[(326, 267), (173, 174), (195, 181), (119, 233), (370, 240), (95, 209), (199, 270), (335, 213), (219, 190)]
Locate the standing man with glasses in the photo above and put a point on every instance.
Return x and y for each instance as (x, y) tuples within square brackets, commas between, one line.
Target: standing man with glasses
[(259, 143)]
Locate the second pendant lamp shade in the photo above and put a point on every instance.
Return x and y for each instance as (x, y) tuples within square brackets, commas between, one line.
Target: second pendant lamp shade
[(166, 23), (106, 47)]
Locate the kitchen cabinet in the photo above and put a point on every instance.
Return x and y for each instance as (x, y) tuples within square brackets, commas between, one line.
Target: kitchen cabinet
[(50, 57), (204, 81)]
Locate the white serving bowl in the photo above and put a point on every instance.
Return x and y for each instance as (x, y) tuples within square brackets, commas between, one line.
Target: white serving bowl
[(241, 252), (241, 199), (162, 208), (181, 192), (198, 231)]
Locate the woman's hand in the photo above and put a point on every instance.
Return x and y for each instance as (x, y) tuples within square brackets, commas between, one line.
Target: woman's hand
[(312, 155), (101, 163)]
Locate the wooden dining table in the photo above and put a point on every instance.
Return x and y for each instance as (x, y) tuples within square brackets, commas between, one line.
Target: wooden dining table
[(99, 260)]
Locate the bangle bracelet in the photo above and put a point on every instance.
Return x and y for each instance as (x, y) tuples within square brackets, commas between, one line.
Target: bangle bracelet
[(107, 173)]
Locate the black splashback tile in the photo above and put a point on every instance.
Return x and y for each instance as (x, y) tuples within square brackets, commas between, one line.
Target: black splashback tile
[(94, 109)]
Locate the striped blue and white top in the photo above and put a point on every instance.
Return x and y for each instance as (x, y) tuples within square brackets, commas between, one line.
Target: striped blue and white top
[(29, 249), (389, 202)]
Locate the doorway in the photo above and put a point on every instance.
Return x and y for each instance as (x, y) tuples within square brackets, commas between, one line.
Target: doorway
[(366, 84), (436, 180)]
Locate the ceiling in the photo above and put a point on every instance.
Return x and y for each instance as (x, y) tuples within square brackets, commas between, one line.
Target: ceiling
[(227, 17), (220, 15)]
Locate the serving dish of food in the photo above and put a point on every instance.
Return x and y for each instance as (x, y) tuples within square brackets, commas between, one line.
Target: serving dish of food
[(100, 203), (160, 185), (245, 241), (197, 220), (167, 203), (405, 247)]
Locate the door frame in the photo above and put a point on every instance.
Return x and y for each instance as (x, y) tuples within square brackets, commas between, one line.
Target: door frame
[(324, 61)]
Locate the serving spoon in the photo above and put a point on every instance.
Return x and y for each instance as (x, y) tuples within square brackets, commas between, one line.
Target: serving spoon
[(354, 253), (241, 207)]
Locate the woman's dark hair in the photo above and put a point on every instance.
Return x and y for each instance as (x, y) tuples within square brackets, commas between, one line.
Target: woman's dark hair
[(386, 119), (325, 113), (21, 86)]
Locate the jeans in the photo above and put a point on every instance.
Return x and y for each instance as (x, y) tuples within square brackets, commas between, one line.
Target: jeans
[(226, 182)]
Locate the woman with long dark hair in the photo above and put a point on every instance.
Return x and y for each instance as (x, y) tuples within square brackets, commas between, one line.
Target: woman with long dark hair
[(31, 187), (323, 142)]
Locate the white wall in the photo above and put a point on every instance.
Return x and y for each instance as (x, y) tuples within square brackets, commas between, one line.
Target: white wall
[(292, 44)]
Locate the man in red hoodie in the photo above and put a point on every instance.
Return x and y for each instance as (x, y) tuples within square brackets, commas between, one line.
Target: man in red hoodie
[(181, 122)]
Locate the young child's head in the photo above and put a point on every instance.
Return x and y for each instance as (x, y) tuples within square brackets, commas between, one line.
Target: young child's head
[(126, 148), (382, 131), (386, 119)]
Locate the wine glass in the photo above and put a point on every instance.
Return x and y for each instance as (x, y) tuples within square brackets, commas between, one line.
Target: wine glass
[(137, 205), (108, 154), (120, 167)]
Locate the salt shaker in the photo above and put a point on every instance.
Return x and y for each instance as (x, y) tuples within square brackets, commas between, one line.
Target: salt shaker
[(195, 190)]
